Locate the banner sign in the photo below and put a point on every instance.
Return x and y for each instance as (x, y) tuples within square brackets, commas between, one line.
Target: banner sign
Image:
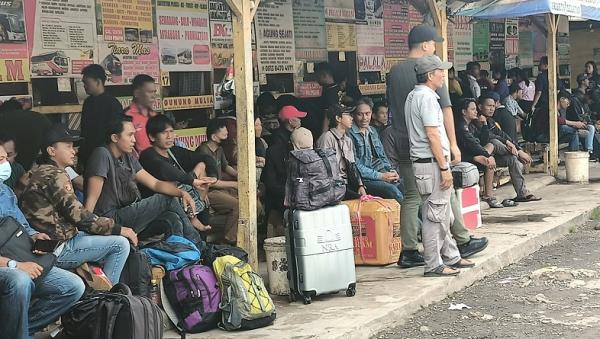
[(463, 42), (481, 41), (371, 50), (497, 47), (512, 43), (189, 102), (307, 89), (396, 27), (190, 138), (415, 16), (275, 37), (339, 10), (341, 37), (183, 35), (62, 35), (127, 46), (126, 102), (372, 89), (221, 33), (309, 35), (14, 58)]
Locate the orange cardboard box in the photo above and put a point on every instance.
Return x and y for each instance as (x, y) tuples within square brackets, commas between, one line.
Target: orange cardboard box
[(376, 231)]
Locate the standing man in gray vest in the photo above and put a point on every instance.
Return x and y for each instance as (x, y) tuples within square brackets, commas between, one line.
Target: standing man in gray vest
[(400, 82), (430, 154)]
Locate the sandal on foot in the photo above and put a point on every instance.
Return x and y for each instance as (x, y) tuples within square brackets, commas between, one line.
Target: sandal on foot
[(463, 263), (528, 198), (492, 202), (442, 271), (509, 203)]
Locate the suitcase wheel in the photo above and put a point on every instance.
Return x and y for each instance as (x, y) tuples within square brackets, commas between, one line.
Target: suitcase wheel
[(306, 299), (351, 291)]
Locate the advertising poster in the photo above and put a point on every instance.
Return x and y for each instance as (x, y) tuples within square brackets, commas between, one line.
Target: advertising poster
[(481, 41), (525, 49), (127, 46), (62, 36), (307, 89), (463, 42), (221, 33), (396, 27), (340, 10), (14, 59), (341, 37), (190, 138), (563, 48), (183, 35), (512, 43), (275, 37), (369, 31), (497, 43), (450, 31), (309, 36), (415, 16)]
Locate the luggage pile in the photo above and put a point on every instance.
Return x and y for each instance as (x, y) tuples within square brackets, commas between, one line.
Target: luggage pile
[(319, 243), (198, 291)]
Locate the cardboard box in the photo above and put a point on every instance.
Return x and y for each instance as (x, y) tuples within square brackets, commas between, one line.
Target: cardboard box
[(376, 231)]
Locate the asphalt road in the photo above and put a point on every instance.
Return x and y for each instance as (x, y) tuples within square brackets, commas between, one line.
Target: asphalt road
[(553, 293)]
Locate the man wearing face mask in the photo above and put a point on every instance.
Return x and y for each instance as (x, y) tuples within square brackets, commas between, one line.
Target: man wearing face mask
[(55, 292)]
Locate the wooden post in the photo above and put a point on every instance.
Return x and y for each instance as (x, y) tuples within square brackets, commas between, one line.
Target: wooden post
[(440, 18), (244, 11), (552, 24)]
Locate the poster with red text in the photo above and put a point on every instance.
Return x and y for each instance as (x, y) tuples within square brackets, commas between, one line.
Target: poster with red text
[(183, 35), (61, 36), (221, 33), (127, 45), (14, 63), (396, 26)]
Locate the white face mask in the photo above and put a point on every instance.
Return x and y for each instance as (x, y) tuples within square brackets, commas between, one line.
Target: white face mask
[(5, 171)]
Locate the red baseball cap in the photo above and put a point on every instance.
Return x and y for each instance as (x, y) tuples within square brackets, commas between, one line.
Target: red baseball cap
[(288, 112)]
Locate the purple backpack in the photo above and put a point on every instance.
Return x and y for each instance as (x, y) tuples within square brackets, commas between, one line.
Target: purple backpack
[(193, 293)]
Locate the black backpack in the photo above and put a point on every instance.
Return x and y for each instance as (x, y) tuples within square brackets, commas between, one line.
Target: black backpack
[(211, 252), (113, 315), (137, 273)]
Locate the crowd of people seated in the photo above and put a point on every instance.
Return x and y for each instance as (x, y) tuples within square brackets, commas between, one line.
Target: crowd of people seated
[(136, 184)]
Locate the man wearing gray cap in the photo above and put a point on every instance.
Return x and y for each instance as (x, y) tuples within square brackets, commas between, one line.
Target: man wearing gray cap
[(400, 82), (430, 154)]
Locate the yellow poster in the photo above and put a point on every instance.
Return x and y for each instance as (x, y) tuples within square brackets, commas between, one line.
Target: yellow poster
[(190, 102), (127, 20), (190, 138), (341, 37)]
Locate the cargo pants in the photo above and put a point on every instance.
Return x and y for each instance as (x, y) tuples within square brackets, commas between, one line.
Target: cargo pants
[(439, 246), (409, 218)]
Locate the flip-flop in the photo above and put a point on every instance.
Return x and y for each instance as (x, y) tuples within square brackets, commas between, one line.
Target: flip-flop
[(509, 203), (460, 264), (528, 198), (492, 202), (441, 272)]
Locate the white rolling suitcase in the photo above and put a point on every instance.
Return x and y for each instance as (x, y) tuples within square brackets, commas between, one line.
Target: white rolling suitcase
[(320, 252)]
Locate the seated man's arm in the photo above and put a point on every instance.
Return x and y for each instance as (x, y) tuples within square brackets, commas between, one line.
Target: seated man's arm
[(231, 171), (165, 188), (160, 168), (94, 189), (68, 206), (18, 215), (34, 270), (366, 173)]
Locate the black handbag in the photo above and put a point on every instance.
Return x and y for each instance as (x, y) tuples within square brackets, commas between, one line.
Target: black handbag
[(17, 245)]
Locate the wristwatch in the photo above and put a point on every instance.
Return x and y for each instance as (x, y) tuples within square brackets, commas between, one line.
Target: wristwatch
[(444, 169), (11, 264)]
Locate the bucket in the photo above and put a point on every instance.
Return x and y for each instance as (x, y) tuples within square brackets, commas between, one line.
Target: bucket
[(277, 266), (577, 165)]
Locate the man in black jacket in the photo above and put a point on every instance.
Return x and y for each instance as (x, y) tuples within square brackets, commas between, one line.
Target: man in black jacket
[(167, 162), (506, 152)]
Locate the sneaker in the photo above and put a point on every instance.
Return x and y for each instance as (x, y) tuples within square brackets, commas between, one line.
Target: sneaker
[(410, 259), (472, 247)]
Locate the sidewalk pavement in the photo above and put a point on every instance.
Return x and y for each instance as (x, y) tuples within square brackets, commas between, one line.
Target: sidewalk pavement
[(387, 296)]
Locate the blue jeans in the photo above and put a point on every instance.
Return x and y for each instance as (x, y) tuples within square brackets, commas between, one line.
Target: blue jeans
[(110, 251), (55, 294), (572, 135), (384, 189)]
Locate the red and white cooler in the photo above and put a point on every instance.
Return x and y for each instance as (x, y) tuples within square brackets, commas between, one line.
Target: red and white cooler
[(470, 207)]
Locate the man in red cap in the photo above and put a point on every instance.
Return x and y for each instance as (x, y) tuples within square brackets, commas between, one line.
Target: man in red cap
[(289, 120)]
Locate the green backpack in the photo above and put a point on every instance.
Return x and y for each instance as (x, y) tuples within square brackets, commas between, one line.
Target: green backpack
[(245, 302)]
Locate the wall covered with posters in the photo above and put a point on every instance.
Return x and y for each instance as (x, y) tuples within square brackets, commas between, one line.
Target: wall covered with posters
[(58, 38)]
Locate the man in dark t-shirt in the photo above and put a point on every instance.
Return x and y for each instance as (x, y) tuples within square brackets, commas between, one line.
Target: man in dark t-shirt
[(111, 179), (401, 81), (98, 110)]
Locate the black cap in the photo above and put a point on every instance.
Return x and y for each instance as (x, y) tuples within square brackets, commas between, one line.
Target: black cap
[(59, 133), (423, 33), (582, 77)]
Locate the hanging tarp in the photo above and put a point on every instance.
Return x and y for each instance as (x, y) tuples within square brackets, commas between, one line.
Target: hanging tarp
[(491, 9)]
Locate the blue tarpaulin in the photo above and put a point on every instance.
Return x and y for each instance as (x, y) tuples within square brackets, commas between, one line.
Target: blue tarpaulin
[(495, 9)]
